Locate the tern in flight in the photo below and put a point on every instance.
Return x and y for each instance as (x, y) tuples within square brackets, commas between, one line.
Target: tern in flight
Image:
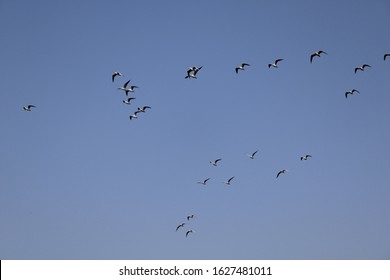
[(179, 226), (204, 182), (361, 68), (190, 217), (228, 181), (386, 55), (134, 116), (188, 232), (116, 74), (241, 67), (128, 100), (305, 157), (280, 172), (252, 156), (275, 64), (351, 92), (192, 71), (28, 107), (214, 162), (143, 109), (316, 54)]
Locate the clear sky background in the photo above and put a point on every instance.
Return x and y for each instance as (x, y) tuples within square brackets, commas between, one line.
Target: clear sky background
[(79, 180)]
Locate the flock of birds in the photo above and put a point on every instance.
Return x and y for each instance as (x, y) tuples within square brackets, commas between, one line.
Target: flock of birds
[(192, 74)]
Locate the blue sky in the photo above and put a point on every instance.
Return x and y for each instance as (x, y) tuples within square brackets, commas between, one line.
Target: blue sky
[(79, 180)]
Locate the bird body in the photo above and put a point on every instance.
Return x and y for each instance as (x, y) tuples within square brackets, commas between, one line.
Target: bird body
[(204, 182), (134, 115), (350, 92), (179, 226), (241, 67), (128, 100), (252, 156), (361, 68), (143, 109), (228, 182), (281, 172), (192, 71), (28, 107), (115, 74), (316, 54), (275, 64), (305, 157), (214, 162)]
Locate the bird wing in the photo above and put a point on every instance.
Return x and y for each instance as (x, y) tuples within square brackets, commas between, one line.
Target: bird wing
[(125, 84), (279, 59), (311, 57), (245, 64), (366, 65), (322, 52), (278, 174), (386, 55), (355, 90), (237, 69), (230, 179), (357, 68), (113, 77), (254, 153)]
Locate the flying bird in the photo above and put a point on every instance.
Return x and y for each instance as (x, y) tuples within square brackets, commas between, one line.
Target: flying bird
[(305, 157), (351, 92), (179, 226), (386, 55), (227, 182), (252, 156), (275, 64), (361, 68), (241, 67), (316, 54), (28, 107), (192, 71), (134, 115), (214, 162), (204, 182), (143, 109), (115, 74), (130, 89), (124, 86), (280, 172), (190, 217), (128, 100), (188, 232)]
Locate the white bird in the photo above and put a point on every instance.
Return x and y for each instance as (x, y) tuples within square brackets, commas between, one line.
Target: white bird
[(188, 232), (28, 107), (361, 68), (280, 172), (115, 74), (181, 225), (386, 55), (134, 115), (130, 89), (241, 67), (351, 92), (316, 54), (228, 181), (275, 64), (128, 100), (252, 156), (143, 109), (204, 182), (214, 162), (190, 217), (192, 71), (124, 86), (305, 157)]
